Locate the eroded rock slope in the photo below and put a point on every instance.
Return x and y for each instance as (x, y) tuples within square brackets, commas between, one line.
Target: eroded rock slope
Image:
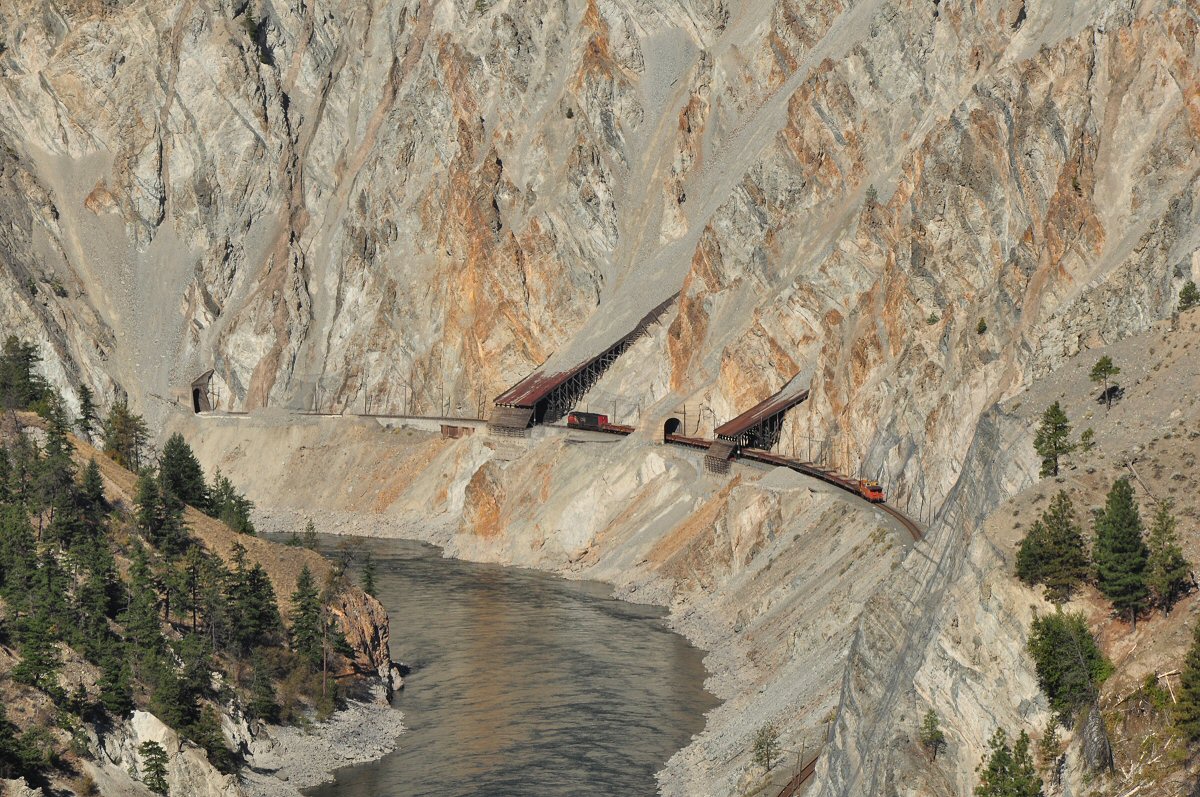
[(410, 205)]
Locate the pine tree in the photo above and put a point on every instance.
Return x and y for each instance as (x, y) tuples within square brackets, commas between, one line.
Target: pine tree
[(766, 746), (1052, 553), (1069, 664), (1066, 565), (149, 507), (1008, 771), (125, 436), (306, 619), (5, 477), (87, 413), (56, 478), (1166, 568), (214, 603), (18, 558), (229, 506), (1052, 440), (1120, 553), (91, 494), (141, 615), (154, 766), (368, 574), (96, 599), (1187, 710), (1033, 553), (1189, 296), (932, 738), (309, 538), (1025, 780), (167, 699), (39, 656), (20, 385), (180, 475), (262, 703), (206, 732), (1103, 371), (253, 611)]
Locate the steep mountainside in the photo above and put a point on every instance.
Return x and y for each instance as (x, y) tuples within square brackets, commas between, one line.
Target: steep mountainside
[(932, 206)]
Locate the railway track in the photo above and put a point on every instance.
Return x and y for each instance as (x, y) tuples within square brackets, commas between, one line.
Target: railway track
[(904, 521), (702, 444), (808, 469), (802, 777)]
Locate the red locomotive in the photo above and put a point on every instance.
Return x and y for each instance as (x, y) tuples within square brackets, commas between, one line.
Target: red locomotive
[(871, 491), (596, 422), (587, 420)]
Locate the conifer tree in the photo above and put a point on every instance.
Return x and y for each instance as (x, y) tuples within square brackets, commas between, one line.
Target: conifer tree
[(167, 699), (1120, 553), (95, 598), (56, 478), (932, 738), (766, 746), (1052, 440), (148, 500), (207, 733), (154, 766), (229, 506), (87, 413), (214, 603), (309, 538), (21, 387), (1066, 564), (1069, 664), (125, 436), (368, 574), (10, 757), (306, 619), (18, 557), (1166, 568), (1032, 554), (39, 657), (1052, 553), (5, 476), (180, 475), (1189, 296), (254, 613), (1102, 371), (1008, 771), (262, 703), (1187, 710), (116, 691), (91, 493), (141, 615)]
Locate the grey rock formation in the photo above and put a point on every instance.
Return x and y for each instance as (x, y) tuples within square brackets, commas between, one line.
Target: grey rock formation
[(403, 203)]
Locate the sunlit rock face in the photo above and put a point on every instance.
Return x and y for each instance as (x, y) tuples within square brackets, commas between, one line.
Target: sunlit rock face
[(396, 205)]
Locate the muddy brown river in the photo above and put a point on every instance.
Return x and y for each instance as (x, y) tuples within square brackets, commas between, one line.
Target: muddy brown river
[(525, 684)]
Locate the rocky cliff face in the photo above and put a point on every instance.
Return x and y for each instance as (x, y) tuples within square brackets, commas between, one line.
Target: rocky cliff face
[(411, 204)]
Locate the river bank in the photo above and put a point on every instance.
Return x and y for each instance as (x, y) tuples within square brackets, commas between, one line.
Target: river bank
[(285, 760), (521, 682)]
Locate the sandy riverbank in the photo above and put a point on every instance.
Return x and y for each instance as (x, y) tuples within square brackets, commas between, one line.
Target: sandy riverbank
[(286, 760)]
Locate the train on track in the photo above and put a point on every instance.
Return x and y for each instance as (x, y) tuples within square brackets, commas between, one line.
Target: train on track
[(867, 489), (595, 422)]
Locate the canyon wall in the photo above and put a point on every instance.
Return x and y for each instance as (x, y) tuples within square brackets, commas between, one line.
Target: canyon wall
[(410, 205)]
